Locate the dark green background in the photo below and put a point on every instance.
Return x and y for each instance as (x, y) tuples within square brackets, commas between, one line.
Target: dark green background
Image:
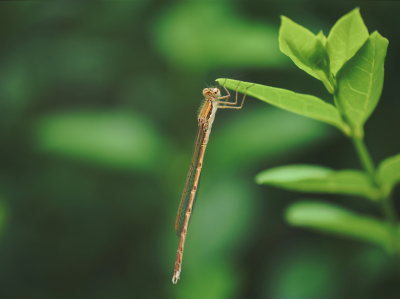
[(98, 106)]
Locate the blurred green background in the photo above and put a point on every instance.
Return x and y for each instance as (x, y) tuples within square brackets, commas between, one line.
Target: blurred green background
[(98, 106)]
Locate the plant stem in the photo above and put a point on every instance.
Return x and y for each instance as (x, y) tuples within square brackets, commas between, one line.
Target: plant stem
[(386, 203), (365, 158), (391, 216), (389, 210)]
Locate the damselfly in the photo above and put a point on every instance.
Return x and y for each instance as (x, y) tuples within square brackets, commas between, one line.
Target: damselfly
[(213, 101)]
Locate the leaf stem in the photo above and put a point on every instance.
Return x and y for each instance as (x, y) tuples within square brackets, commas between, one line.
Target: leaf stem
[(389, 211), (365, 158), (386, 202)]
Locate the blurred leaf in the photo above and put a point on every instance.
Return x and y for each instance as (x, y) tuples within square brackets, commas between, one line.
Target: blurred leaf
[(345, 38), (360, 81), (329, 218), (310, 178), (388, 173), (306, 50), (302, 104), (196, 36), (116, 139)]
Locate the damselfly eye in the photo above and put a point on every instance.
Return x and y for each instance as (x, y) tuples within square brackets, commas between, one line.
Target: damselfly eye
[(205, 91), (215, 90)]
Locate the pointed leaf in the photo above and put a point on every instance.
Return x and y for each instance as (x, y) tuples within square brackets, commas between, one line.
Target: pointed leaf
[(322, 38), (388, 173), (345, 38), (306, 50), (360, 80), (302, 104), (329, 218), (310, 178)]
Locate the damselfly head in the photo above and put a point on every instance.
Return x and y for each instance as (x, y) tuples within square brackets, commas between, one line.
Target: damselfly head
[(213, 91)]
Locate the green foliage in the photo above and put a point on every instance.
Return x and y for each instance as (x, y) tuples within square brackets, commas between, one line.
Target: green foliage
[(350, 63), (360, 81), (73, 211), (322, 38), (309, 178), (302, 104), (329, 218), (388, 173), (306, 50), (345, 38)]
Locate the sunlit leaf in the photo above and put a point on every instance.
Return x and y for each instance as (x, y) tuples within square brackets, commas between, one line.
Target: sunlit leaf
[(306, 50), (116, 139), (388, 173), (302, 104), (310, 178), (345, 38), (360, 81), (329, 218), (322, 38)]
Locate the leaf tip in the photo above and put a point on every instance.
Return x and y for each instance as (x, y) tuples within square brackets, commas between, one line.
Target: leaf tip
[(377, 34), (257, 178), (220, 79), (356, 10), (285, 19), (290, 216)]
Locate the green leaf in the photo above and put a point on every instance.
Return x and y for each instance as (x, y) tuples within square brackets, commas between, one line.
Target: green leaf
[(360, 81), (306, 50), (345, 38), (322, 38), (309, 178), (302, 104), (388, 173), (114, 139), (329, 218)]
